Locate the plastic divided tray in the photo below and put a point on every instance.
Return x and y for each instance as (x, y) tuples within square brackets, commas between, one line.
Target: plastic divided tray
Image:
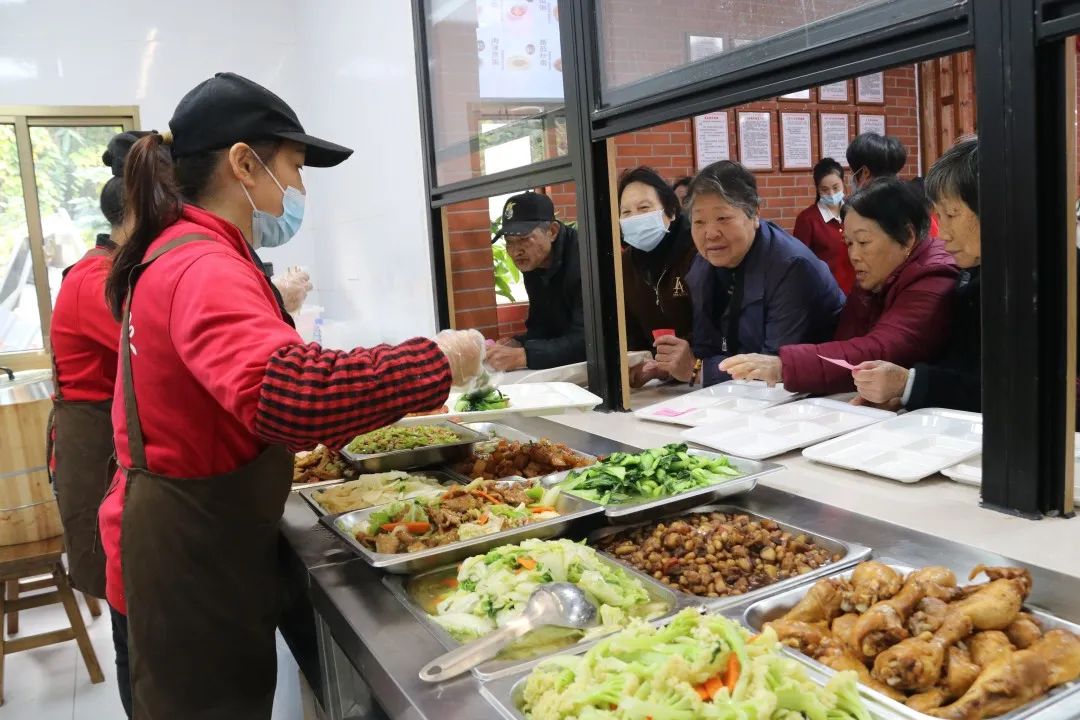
[(404, 590), (969, 472), (716, 403), (781, 429), (906, 448), (761, 612), (528, 399)]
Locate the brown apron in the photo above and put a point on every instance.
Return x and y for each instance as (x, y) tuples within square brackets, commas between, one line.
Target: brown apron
[(201, 574), (81, 436)]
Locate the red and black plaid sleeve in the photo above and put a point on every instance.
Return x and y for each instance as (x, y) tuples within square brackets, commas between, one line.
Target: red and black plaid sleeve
[(310, 395)]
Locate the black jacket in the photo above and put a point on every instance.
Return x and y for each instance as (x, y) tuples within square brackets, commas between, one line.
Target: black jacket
[(555, 329), (654, 287), (955, 380)]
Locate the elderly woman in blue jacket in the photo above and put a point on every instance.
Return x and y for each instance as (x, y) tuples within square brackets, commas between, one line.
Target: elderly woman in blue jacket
[(753, 286)]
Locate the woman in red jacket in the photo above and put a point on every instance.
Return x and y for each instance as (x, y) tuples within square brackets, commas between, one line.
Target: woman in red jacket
[(215, 390), (900, 309), (820, 227)]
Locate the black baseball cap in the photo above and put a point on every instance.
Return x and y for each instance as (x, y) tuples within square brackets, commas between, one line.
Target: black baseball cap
[(228, 109), (523, 212)]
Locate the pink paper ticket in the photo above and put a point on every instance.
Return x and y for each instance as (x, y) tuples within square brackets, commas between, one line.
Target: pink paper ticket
[(842, 363)]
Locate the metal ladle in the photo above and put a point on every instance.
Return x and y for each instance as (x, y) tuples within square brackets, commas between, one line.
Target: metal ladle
[(561, 604)]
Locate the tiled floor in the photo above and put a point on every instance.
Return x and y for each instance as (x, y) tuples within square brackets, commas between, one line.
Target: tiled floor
[(51, 683)]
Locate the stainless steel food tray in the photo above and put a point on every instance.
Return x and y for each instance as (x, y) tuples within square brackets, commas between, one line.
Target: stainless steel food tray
[(853, 554), (496, 431), (443, 477), (570, 508), (492, 669), (653, 508), (762, 611), (506, 693), (418, 457)]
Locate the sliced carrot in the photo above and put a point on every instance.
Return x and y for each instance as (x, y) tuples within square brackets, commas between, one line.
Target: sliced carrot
[(713, 685), (416, 528), (527, 562), (542, 508), (703, 693), (483, 519), (490, 498), (731, 677), (450, 582)]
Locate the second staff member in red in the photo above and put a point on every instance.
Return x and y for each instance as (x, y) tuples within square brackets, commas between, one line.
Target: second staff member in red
[(215, 390)]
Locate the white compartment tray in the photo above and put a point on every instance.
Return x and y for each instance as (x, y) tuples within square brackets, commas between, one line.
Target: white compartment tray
[(529, 399), (783, 428), (715, 404), (908, 447), (969, 472)]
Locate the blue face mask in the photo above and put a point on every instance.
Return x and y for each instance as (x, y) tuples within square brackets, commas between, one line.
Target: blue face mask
[(645, 231), (268, 230), (833, 200)]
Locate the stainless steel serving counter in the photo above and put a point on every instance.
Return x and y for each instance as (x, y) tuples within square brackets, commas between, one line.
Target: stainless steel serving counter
[(346, 599)]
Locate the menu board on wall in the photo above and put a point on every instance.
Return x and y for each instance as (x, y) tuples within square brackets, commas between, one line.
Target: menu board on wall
[(700, 47), (870, 88), (755, 140), (833, 92), (796, 142), (871, 123), (834, 136), (711, 138), (519, 52)]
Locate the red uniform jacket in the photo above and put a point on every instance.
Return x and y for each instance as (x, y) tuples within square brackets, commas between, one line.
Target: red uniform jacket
[(826, 240), (904, 323), (219, 375), (84, 333)]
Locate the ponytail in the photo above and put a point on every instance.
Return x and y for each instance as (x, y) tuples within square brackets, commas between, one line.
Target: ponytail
[(152, 202)]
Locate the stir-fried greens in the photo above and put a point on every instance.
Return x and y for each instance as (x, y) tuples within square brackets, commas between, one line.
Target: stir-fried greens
[(486, 398), (670, 470), (393, 438), (491, 589), (482, 507), (698, 666)]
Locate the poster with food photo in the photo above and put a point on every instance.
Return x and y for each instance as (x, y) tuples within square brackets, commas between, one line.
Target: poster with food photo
[(519, 52)]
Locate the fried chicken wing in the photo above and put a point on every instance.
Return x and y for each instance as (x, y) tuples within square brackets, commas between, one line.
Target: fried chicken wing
[(938, 582), (871, 582), (929, 700), (928, 616), (995, 605), (882, 626), (841, 629), (987, 646), (1019, 575), (1024, 631), (1006, 684), (803, 636), (960, 672), (840, 658), (1061, 651), (821, 604)]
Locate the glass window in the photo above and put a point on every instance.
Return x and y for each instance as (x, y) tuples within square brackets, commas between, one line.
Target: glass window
[(20, 324), (645, 38), (496, 79), (69, 176)]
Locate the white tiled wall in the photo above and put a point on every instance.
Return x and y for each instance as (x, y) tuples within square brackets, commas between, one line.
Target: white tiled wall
[(346, 67)]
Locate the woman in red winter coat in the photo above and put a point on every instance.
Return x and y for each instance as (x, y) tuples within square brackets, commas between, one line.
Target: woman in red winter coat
[(900, 308), (820, 228)]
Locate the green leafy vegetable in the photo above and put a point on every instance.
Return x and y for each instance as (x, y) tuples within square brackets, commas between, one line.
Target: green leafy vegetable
[(393, 438), (486, 398), (670, 470)]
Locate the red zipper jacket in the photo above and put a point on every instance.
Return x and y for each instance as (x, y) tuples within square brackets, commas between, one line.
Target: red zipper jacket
[(906, 322), (219, 374)]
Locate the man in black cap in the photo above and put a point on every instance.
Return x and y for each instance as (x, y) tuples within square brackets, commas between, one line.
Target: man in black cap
[(546, 252)]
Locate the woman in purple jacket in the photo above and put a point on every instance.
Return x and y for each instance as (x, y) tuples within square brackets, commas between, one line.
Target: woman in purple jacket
[(754, 288)]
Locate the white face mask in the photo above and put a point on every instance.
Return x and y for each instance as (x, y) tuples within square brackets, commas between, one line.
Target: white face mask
[(644, 231)]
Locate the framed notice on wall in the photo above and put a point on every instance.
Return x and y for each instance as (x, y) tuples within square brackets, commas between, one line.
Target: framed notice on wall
[(871, 123), (699, 47), (755, 140), (870, 88), (711, 138), (836, 92), (799, 95), (796, 143), (834, 136)]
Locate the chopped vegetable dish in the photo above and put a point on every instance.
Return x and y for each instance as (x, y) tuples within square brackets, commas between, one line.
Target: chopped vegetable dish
[(393, 438), (486, 398), (376, 489)]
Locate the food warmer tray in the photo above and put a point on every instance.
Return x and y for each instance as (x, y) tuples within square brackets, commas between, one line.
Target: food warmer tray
[(853, 554), (784, 428), (762, 611), (399, 587), (446, 479), (344, 525), (506, 693), (651, 508), (419, 457), (906, 448), (526, 399), (717, 403)]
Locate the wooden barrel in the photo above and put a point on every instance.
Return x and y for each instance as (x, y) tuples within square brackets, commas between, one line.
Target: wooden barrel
[(28, 509)]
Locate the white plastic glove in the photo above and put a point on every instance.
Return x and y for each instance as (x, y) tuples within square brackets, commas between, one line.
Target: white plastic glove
[(465, 351), (294, 286)]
